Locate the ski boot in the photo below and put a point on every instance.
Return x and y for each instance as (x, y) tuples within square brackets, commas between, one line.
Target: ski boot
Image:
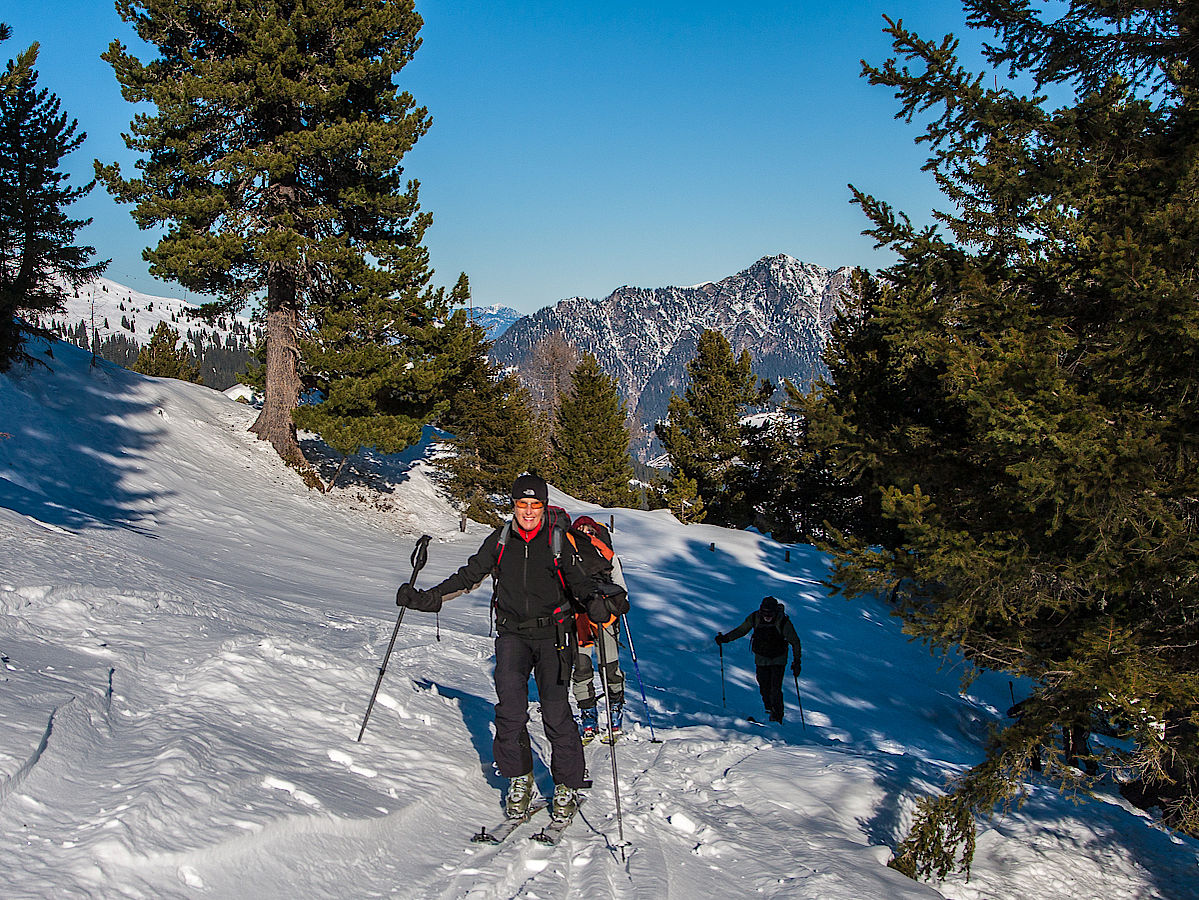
[(564, 805), (520, 793), (616, 713), (588, 724)]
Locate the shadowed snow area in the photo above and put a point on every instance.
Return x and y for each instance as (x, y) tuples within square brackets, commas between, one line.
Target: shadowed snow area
[(190, 638)]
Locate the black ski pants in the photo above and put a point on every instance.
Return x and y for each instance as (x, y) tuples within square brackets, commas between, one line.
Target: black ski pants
[(770, 683), (516, 658)]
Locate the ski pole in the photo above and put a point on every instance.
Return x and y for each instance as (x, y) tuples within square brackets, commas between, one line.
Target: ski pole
[(419, 554), (723, 702), (603, 655), (802, 721), (641, 684)]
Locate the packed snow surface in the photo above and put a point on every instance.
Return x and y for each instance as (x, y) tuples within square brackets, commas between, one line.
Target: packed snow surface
[(190, 637)]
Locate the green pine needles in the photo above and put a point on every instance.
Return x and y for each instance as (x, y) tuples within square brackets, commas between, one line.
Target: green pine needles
[(591, 439), (1019, 395), (273, 162), (163, 359), (37, 250), (703, 433), (497, 438)]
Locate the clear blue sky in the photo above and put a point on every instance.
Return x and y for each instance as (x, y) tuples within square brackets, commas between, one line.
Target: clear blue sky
[(580, 146)]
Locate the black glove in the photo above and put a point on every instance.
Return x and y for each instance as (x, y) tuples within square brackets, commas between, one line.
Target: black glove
[(598, 610), (424, 601), (795, 667), (721, 639)]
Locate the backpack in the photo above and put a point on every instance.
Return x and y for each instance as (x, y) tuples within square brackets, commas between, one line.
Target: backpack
[(767, 639), (595, 554)]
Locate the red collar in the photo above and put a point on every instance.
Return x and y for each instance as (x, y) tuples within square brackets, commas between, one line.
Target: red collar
[(529, 535)]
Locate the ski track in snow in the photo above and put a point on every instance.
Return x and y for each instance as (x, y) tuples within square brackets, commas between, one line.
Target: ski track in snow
[(190, 639)]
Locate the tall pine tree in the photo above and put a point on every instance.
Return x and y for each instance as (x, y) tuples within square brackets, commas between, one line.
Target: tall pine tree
[(703, 433), (591, 440), (1019, 390), (274, 163), (37, 250)]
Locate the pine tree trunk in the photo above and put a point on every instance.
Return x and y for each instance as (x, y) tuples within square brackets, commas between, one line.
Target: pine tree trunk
[(282, 392)]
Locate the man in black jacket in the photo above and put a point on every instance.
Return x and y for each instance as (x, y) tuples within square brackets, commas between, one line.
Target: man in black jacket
[(534, 634), (773, 632)]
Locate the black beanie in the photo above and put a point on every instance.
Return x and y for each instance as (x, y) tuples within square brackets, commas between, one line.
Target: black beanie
[(770, 605), (531, 487)]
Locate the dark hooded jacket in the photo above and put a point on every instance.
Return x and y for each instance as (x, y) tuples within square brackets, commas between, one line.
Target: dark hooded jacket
[(788, 631), (529, 597)]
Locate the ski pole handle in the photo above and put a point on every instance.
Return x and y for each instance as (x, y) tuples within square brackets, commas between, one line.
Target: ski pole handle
[(420, 555)]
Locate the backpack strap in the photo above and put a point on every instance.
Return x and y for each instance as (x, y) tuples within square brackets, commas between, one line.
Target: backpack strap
[(495, 575), (557, 534)]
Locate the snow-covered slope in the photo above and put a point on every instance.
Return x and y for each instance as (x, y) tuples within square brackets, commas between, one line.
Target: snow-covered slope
[(108, 303), (120, 320), (189, 639)]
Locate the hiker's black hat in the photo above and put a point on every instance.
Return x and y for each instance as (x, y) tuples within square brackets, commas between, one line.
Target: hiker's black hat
[(531, 487)]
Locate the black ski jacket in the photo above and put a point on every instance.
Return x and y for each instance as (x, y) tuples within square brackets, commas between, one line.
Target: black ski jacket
[(528, 594), (789, 635)]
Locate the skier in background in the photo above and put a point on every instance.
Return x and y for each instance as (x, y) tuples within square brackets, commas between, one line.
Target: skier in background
[(772, 633)]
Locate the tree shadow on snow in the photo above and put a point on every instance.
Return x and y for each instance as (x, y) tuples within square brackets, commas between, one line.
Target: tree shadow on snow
[(709, 590), (69, 445), (369, 469)]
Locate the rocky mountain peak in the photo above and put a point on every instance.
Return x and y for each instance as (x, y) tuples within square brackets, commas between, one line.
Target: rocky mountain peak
[(779, 309)]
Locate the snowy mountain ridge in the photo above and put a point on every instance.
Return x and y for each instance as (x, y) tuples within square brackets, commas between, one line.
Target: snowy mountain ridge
[(121, 320), (103, 298), (495, 319), (189, 639), (780, 309)]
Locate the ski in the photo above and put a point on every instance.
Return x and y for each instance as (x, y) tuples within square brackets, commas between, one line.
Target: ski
[(551, 834), (497, 834)]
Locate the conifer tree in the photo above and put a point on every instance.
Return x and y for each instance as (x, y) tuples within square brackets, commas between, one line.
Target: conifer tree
[(790, 485), (273, 162), (591, 441), (497, 437), (163, 359), (37, 250), (703, 433), (381, 376), (1019, 391), (682, 498)]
